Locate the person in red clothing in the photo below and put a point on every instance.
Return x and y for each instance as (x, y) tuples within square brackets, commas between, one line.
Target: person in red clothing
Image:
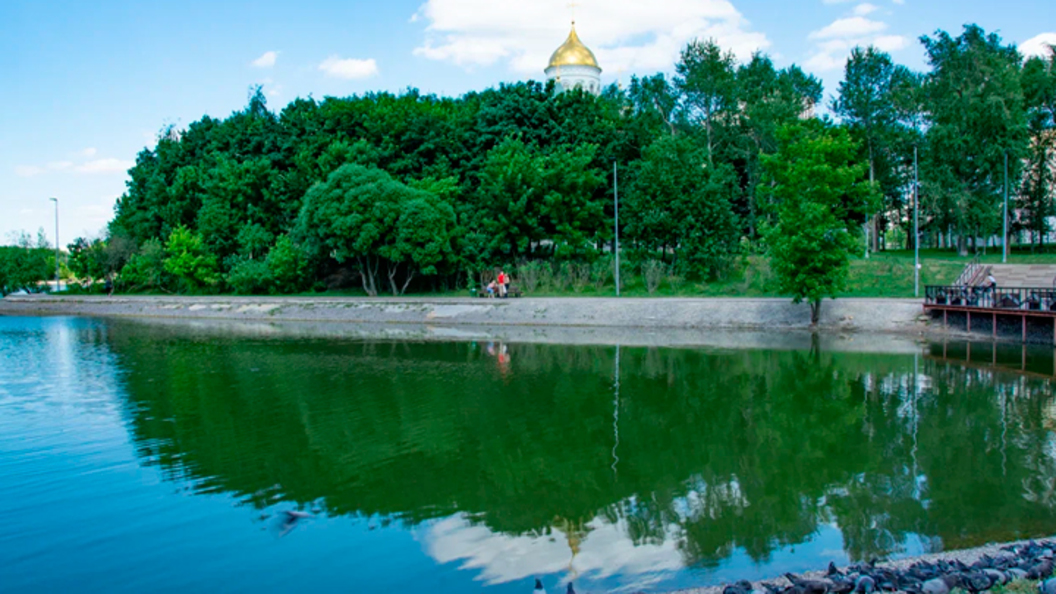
[(504, 283)]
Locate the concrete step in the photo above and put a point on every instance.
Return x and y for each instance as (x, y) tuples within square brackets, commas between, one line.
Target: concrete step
[(1023, 275)]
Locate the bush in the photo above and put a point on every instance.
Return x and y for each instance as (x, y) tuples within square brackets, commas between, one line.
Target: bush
[(188, 260), (675, 281), (530, 275), (287, 265), (601, 272), (546, 276), (580, 273), (562, 277), (653, 272), (146, 268), (250, 277)]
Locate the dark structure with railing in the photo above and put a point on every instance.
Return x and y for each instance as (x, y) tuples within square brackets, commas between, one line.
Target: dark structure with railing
[(1031, 310)]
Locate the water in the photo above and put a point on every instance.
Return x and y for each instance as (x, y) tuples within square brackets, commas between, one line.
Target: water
[(138, 457)]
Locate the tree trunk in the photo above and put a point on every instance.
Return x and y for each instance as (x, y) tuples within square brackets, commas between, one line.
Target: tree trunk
[(872, 219), (407, 281), (366, 274), (392, 269), (815, 312)]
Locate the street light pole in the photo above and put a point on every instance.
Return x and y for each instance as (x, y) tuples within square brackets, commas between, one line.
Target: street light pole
[(56, 201), (916, 227), (616, 205), (1004, 240)]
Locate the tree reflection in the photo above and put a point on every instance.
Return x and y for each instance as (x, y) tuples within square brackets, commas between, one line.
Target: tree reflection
[(719, 450)]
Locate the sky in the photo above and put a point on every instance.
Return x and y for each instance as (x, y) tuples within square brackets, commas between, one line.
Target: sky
[(87, 84)]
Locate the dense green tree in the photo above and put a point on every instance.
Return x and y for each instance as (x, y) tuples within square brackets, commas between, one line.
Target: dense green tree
[(819, 190), (88, 259), (25, 265), (1036, 195), (188, 260), (679, 202), (530, 196), (363, 215), (708, 82), (977, 116), (768, 98), (867, 104), (146, 268)]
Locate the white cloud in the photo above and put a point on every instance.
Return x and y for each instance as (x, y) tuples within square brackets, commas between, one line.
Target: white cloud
[(60, 165), (834, 42), (28, 170), (865, 8), (625, 35), (89, 152), (349, 68), (606, 549), (266, 60), (890, 43), (899, 2), (104, 166), (1038, 45), (849, 28)]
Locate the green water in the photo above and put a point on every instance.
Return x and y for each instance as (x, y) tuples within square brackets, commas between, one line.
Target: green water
[(137, 457)]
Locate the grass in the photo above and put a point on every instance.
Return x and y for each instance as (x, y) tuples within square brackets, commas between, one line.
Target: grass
[(884, 274), (1017, 587)]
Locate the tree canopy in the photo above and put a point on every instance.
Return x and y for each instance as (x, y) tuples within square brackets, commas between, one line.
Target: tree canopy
[(410, 191)]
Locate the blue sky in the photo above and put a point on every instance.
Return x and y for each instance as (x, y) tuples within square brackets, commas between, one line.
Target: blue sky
[(85, 85)]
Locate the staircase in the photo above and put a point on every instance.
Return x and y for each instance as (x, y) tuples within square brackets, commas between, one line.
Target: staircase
[(1023, 275)]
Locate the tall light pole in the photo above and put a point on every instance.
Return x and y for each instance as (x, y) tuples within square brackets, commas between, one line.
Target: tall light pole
[(616, 204), (56, 201), (916, 227), (1004, 240)]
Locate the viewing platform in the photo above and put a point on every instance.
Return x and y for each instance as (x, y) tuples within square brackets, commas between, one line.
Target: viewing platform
[(1029, 312)]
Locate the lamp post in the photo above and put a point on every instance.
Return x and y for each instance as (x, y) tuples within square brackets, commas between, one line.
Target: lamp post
[(1004, 237), (916, 227), (616, 205), (56, 201)]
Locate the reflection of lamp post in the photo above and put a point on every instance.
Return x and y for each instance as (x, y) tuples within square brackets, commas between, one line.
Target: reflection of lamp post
[(56, 201), (916, 226), (616, 415)]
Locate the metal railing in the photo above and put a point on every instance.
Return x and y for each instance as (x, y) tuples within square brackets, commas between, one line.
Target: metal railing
[(1012, 298), (970, 271)]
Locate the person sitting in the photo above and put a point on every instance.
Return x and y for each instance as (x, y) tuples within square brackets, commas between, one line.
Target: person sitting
[(491, 288)]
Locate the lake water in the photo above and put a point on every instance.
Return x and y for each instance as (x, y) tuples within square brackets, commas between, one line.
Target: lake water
[(137, 457)]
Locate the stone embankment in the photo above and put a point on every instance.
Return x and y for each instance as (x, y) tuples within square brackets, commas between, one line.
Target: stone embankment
[(843, 315)]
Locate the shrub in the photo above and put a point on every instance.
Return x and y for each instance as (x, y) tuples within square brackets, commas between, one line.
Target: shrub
[(188, 260), (653, 272), (580, 274), (250, 277), (675, 280), (562, 277), (286, 266), (146, 268), (601, 272), (529, 276)]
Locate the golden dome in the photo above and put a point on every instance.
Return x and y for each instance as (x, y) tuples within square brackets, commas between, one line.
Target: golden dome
[(573, 53)]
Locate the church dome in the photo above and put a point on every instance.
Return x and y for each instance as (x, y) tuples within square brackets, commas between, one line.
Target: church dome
[(573, 53)]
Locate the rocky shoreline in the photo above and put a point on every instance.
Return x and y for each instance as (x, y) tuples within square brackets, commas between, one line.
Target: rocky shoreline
[(965, 556)]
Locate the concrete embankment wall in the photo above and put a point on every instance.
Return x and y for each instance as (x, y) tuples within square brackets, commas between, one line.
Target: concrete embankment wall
[(866, 315)]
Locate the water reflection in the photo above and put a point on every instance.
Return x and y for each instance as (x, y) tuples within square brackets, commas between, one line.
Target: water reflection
[(626, 466)]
